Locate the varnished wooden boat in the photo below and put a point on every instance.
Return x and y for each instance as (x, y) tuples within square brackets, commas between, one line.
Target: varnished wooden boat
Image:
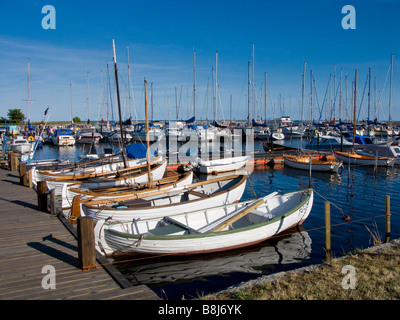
[(303, 163), (69, 192), (364, 160)]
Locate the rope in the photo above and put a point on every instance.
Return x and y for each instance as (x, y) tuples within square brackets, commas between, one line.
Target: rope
[(340, 209)]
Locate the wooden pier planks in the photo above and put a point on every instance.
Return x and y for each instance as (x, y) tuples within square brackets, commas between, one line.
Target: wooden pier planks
[(30, 240)]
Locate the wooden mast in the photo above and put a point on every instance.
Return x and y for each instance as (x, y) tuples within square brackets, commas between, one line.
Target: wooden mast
[(119, 106), (147, 132)]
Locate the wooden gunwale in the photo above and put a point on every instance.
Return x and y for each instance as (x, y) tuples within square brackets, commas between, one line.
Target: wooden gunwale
[(92, 204)]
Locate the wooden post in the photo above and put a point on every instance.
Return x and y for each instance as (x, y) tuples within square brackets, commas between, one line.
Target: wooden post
[(328, 231), (42, 195), (30, 184), (86, 244), (75, 210), (387, 218), (53, 209), (22, 174), (14, 162)]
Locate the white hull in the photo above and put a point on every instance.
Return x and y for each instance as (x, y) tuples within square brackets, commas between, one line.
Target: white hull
[(156, 174), (221, 165), (277, 214), (68, 195), (179, 200)]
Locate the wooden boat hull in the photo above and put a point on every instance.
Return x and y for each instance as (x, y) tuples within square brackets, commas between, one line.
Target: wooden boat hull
[(358, 159), (102, 170), (157, 172), (197, 196), (71, 191), (303, 163), (277, 214), (221, 165)]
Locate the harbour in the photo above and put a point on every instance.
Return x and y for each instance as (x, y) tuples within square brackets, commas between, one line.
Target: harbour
[(170, 151), (171, 277)]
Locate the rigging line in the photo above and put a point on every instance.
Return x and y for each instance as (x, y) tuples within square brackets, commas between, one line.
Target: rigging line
[(340, 209), (274, 236)]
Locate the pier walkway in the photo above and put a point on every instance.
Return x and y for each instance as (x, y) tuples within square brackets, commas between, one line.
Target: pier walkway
[(31, 239)]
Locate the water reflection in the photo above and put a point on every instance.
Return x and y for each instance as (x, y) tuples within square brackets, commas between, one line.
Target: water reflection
[(294, 248)]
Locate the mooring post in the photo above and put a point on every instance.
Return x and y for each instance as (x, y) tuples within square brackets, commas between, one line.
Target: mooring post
[(328, 231), (86, 244), (53, 210), (14, 162), (75, 210), (387, 218), (30, 183), (42, 195), (22, 174)]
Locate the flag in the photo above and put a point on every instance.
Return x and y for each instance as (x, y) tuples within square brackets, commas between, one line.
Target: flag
[(46, 110)]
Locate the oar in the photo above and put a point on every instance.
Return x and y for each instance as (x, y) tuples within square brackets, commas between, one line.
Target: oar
[(236, 217)]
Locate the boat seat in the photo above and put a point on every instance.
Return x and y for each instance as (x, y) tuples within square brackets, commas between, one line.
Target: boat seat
[(165, 230), (180, 224), (142, 203), (198, 194)]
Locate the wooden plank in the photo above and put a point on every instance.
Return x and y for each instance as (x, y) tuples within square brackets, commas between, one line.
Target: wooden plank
[(32, 239)]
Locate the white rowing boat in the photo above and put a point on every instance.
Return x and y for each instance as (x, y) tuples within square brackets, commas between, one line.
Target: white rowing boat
[(215, 229), (219, 165), (199, 195)]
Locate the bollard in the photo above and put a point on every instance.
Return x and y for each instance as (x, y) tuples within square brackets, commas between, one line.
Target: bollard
[(23, 181), (30, 182), (75, 210), (328, 231), (14, 162), (42, 195), (53, 210), (86, 244), (387, 218)]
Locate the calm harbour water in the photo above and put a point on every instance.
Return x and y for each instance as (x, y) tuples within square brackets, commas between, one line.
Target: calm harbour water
[(358, 193)]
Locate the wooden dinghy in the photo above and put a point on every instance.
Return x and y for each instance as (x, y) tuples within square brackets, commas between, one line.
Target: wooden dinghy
[(303, 163), (139, 175), (219, 165), (140, 189), (215, 229), (359, 159), (199, 195), (102, 171)]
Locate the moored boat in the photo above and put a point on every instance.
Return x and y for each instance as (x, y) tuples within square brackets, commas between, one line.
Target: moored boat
[(216, 229), (365, 160), (219, 165), (303, 163), (203, 194)]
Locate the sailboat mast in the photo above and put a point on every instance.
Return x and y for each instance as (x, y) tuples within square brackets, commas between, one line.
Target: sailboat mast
[(248, 94), (147, 132), (265, 97), (29, 101), (390, 90), (194, 84), (355, 105), (70, 98), (129, 83), (119, 106)]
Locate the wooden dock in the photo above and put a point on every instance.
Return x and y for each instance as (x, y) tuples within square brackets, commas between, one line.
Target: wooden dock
[(30, 240)]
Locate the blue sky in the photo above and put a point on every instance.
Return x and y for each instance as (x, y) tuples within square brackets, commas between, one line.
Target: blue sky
[(161, 36)]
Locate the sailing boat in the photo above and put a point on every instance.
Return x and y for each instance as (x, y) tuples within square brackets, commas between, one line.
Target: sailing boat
[(360, 159)]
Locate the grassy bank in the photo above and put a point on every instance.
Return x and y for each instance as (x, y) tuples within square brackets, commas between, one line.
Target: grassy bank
[(376, 277)]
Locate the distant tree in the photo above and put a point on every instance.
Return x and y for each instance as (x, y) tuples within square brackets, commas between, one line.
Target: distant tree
[(76, 120), (15, 116), (2, 119)]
